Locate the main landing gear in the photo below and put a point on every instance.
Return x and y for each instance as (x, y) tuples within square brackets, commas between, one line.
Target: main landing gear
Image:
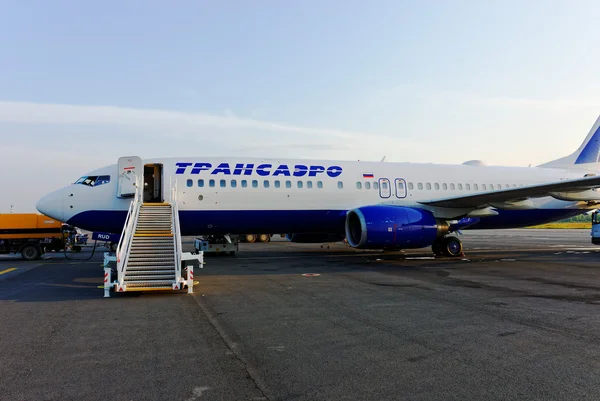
[(448, 246)]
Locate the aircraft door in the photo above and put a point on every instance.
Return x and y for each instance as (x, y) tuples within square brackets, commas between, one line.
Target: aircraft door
[(400, 188), (385, 191), (130, 168)]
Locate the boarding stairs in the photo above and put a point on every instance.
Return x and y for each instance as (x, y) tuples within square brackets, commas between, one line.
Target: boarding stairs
[(149, 255), (151, 260)]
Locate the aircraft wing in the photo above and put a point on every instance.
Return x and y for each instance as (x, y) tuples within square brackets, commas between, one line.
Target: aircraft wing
[(483, 199)]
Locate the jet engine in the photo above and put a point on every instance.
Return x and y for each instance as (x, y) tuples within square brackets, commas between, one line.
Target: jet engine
[(392, 227)]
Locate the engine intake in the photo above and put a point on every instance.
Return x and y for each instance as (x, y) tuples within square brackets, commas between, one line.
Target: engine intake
[(393, 227)]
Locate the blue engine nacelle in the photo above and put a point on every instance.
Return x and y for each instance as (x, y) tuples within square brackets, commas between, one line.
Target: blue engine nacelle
[(314, 238), (395, 227)]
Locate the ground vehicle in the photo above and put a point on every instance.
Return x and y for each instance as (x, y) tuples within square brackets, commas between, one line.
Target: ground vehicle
[(29, 234), (596, 228)]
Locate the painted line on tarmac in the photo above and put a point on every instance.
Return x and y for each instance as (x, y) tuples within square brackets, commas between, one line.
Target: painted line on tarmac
[(7, 270)]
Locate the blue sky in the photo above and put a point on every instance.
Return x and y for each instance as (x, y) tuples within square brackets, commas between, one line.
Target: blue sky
[(82, 83)]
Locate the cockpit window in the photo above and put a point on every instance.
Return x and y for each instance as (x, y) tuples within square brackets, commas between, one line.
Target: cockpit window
[(93, 180)]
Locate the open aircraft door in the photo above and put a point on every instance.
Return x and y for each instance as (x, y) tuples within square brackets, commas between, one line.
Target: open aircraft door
[(130, 168)]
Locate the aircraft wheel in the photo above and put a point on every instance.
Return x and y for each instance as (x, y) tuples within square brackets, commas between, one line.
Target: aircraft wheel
[(250, 238), (264, 238), (452, 247)]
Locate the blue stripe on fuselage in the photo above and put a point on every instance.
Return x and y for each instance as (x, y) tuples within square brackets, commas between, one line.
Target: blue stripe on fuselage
[(195, 222)]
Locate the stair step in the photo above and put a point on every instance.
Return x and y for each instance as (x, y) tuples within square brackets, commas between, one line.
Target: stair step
[(157, 277), (154, 256), (163, 262), (153, 246), (150, 269), (147, 247), (139, 283), (146, 262), (154, 240)]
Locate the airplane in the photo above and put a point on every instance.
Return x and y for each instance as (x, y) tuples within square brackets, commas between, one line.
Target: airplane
[(373, 205)]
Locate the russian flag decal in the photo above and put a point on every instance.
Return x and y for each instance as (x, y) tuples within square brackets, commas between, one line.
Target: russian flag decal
[(368, 175)]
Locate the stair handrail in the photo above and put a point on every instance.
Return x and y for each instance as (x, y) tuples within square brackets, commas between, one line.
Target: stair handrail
[(176, 230), (127, 233)]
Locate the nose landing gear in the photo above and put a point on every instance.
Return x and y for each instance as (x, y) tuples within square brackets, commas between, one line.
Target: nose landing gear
[(448, 246)]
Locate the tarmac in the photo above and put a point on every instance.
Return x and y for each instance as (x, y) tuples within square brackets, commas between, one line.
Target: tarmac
[(518, 317)]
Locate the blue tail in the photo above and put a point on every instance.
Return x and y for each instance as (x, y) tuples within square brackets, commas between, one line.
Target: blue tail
[(586, 157)]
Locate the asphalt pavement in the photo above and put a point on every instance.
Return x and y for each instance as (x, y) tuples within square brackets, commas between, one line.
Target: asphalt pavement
[(515, 318)]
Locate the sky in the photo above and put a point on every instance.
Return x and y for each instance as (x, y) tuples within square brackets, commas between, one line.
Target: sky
[(83, 83)]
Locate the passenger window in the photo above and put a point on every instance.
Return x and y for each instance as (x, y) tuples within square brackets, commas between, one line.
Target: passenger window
[(411, 186), (190, 183), (476, 187), (506, 186), (428, 186), (367, 185), (211, 183), (452, 188), (308, 184), (340, 185), (288, 184), (358, 185), (266, 183), (200, 183), (277, 184), (233, 183), (300, 184), (222, 183), (436, 186), (244, 183), (483, 186), (254, 184), (375, 185), (319, 184), (468, 186), (444, 186), (420, 186)]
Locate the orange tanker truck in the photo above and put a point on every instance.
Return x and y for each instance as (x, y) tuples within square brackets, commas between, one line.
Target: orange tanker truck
[(29, 234)]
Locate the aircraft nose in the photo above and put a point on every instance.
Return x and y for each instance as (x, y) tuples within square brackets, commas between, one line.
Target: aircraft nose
[(52, 205)]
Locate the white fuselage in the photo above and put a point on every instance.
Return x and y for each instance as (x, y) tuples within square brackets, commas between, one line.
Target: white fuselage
[(244, 195)]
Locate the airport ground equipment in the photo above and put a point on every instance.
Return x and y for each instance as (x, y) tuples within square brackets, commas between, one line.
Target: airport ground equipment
[(252, 238), (30, 234), (149, 256), (217, 244), (596, 227)]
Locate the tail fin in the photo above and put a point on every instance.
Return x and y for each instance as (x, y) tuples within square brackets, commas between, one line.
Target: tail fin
[(587, 157)]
